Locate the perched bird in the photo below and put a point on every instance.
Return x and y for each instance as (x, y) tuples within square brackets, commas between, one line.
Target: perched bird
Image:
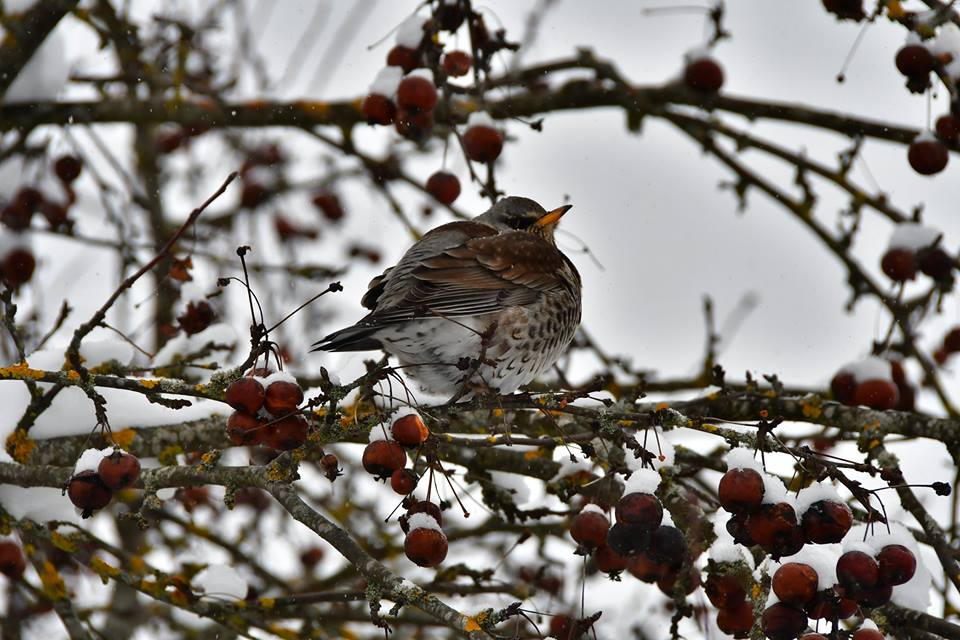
[(488, 303)]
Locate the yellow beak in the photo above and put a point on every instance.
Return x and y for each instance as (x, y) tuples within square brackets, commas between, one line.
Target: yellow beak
[(552, 217)]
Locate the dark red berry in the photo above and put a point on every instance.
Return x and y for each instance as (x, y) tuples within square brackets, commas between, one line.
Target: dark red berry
[(897, 565), (329, 205), (282, 397), (774, 527), (416, 94), (899, 265), (830, 604), (245, 429), (640, 510), (628, 540), (877, 394), (119, 470), (737, 528), (795, 583), (740, 490), (423, 506), (449, 16), (457, 63), (927, 156), (286, 433), (857, 570), (18, 267), (414, 125), (88, 493), (482, 143), (843, 386), (382, 457), (67, 168), (589, 529), (246, 394), (404, 57), (311, 557), (409, 431), (948, 128), (198, 316), (12, 562), (914, 60), (874, 596), (782, 621), (425, 547), (608, 560), (951, 341), (404, 481), (378, 109), (704, 75), (736, 621), (668, 545), (444, 187), (724, 591), (845, 9), (867, 634), (668, 584), (826, 522), (646, 568), (935, 262)]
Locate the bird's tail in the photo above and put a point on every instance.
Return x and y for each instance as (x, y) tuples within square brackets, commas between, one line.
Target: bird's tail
[(355, 338)]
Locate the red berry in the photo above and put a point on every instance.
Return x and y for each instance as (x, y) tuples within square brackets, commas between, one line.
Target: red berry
[(246, 394), (813, 636), (329, 461), (404, 481), (927, 156), (88, 493), (782, 621), (914, 60), (874, 596), (951, 341), (948, 128), (795, 583), (169, 141), (404, 57), (589, 529), (282, 397), (668, 545), (736, 621), (414, 125), (67, 168), (897, 564), (877, 394), (119, 470), (378, 109), (628, 540), (857, 570), (197, 317), (12, 562), (425, 547), (311, 557), (253, 195), (646, 568), (826, 522), (829, 604), (867, 634), (423, 506), (245, 429), (382, 457), (843, 386), (724, 591), (703, 75), (737, 528), (900, 265), (18, 267), (457, 63), (740, 490), (667, 584), (444, 187), (935, 262), (449, 16), (482, 143), (329, 205), (642, 510), (416, 94), (774, 527), (409, 431), (286, 433), (608, 560)]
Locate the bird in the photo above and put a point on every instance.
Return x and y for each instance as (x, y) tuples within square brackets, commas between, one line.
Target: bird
[(475, 306)]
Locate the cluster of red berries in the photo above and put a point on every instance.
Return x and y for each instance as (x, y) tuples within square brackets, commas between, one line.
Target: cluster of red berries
[(703, 73), (12, 562), (266, 411), (874, 382), (914, 248), (728, 594), (949, 346), (91, 490), (385, 458), (774, 526)]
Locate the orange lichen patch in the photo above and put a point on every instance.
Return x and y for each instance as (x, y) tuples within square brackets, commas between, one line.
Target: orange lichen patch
[(21, 371), (267, 603), (497, 413), (895, 10), (138, 566), (811, 408), (492, 439), (103, 569), (73, 375), (317, 109), (534, 454), (124, 437), (19, 445), (661, 406), (148, 384), (179, 598), (53, 585), (472, 624)]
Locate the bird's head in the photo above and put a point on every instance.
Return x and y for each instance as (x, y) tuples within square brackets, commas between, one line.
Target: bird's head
[(515, 213)]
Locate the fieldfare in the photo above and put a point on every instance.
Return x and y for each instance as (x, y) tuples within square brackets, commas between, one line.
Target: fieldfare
[(488, 303)]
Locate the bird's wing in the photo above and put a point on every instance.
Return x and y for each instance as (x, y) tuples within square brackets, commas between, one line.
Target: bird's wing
[(481, 274)]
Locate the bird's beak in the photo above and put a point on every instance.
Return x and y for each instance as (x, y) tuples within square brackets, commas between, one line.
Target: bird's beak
[(553, 216)]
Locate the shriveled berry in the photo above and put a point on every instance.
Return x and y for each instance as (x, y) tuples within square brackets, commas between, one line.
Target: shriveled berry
[(444, 187), (740, 490), (857, 570), (67, 168), (246, 394), (737, 528), (640, 510), (282, 397), (774, 527), (927, 156), (404, 57), (382, 457), (899, 265), (704, 75), (843, 386), (589, 529), (482, 143), (668, 545), (736, 621), (914, 60), (119, 470), (416, 93), (378, 109), (409, 430), (88, 493), (425, 547), (286, 433), (795, 583), (897, 565), (245, 429), (877, 394), (457, 63), (826, 522), (782, 621), (404, 481), (724, 591)]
